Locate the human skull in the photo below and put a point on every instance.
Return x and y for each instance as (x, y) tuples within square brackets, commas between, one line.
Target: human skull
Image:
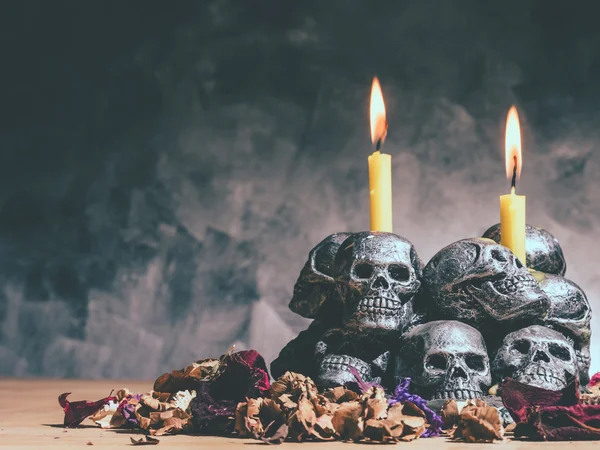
[(315, 284), (538, 356), (483, 284), (377, 275), (444, 359), (338, 350), (571, 314), (543, 250)]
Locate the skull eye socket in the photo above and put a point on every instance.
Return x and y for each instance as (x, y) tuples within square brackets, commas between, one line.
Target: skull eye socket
[(436, 361), (518, 263), (363, 270), (398, 272), (559, 352), (475, 362), (522, 346), (498, 256)]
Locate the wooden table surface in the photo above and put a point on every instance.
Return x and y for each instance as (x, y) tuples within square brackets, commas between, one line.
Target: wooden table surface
[(30, 418)]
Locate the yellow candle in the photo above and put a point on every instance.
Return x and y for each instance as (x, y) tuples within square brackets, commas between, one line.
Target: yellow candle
[(380, 166), (512, 206), (380, 187), (512, 224)]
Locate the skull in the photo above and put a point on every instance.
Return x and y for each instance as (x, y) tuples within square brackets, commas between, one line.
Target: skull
[(315, 284), (543, 250), (571, 314), (377, 276), (444, 359), (483, 284), (338, 350), (537, 356)]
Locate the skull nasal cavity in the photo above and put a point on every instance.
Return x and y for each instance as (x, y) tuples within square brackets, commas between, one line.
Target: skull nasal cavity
[(540, 356), (458, 372), (381, 282)]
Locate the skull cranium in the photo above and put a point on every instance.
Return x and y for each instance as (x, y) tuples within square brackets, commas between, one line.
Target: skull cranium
[(377, 276), (544, 253), (315, 285), (444, 359), (537, 356), (483, 284), (571, 314)]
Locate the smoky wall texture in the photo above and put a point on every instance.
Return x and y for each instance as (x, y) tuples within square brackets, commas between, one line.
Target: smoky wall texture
[(167, 166)]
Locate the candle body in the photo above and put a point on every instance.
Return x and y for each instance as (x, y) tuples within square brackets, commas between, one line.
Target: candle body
[(380, 187), (512, 224)]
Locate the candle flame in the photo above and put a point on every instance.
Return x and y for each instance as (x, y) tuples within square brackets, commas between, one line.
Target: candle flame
[(378, 121), (513, 145)]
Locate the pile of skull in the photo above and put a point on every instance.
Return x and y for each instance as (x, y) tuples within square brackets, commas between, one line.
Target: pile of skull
[(471, 317)]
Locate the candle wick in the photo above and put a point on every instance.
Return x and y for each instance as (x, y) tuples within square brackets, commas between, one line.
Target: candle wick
[(378, 144), (513, 182)]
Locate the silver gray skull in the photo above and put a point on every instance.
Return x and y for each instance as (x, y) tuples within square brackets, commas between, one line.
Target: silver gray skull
[(377, 276), (571, 314), (543, 250), (339, 350), (483, 284), (538, 356), (315, 284), (444, 359)]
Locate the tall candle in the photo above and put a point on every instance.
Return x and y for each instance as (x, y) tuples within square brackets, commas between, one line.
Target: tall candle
[(512, 206), (380, 166)]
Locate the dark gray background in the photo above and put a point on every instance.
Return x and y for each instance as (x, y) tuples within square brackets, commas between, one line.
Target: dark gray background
[(167, 166)]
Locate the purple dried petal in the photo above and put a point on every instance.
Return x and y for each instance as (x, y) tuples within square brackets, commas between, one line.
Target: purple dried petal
[(402, 394)]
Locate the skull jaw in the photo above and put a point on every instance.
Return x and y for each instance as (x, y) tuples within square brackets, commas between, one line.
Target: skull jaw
[(542, 377), (451, 389), (334, 371), (389, 319)]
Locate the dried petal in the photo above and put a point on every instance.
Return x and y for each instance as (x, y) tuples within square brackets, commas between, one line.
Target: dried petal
[(212, 415), (375, 403), (340, 394), (182, 399), (323, 428), (348, 420), (278, 436), (188, 377), (479, 423), (247, 420), (104, 415), (519, 397), (149, 441), (410, 416), (76, 412), (562, 423), (450, 413), (402, 394), (382, 430)]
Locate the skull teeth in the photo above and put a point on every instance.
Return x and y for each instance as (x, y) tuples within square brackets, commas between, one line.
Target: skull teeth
[(512, 285), (459, 394), (343, 363), (371, 304), (540, 373)]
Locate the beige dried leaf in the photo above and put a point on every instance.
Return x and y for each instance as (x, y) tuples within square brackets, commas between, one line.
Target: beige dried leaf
[(479, 422), (348, 420), (340, 395), (323, 428), (450, 413)]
